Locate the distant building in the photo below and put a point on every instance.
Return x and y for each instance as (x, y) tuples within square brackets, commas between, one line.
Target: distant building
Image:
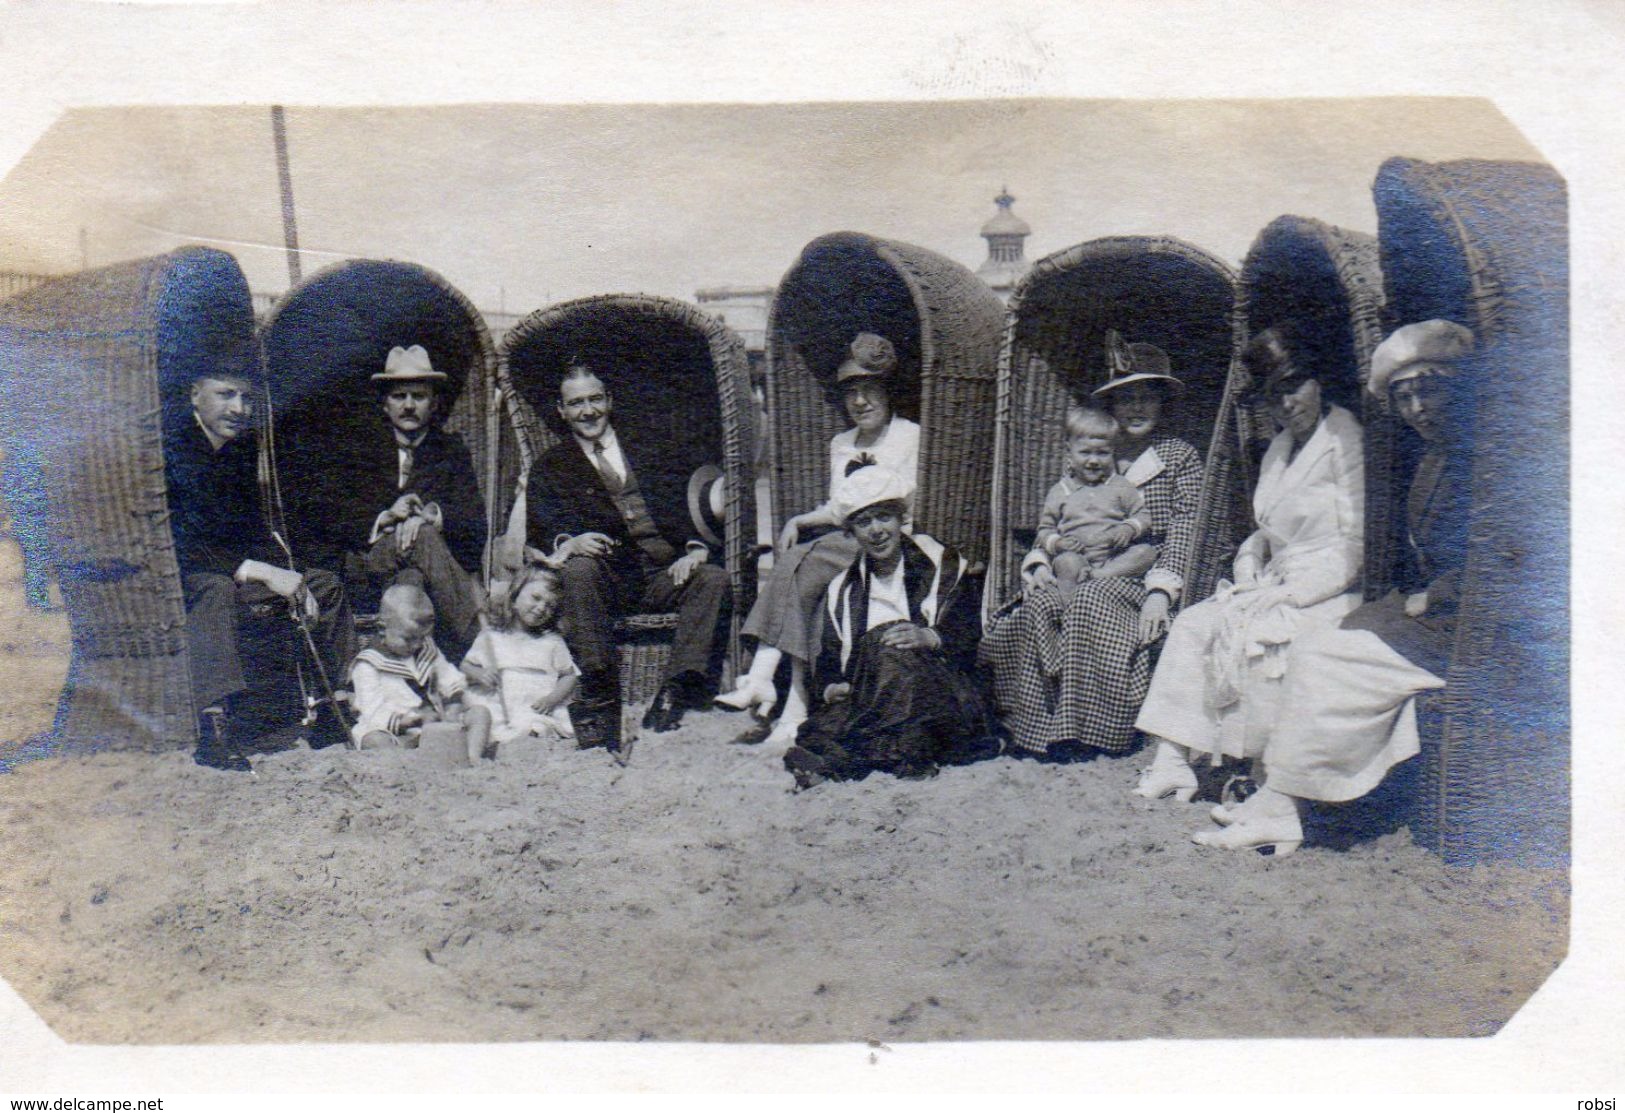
[(1006, 260), (743, 309)]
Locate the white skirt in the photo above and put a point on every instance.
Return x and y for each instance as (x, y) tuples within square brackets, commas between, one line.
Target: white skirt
[(1347, 716)]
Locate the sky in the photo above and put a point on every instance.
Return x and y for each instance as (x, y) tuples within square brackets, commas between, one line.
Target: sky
[(520, 206)]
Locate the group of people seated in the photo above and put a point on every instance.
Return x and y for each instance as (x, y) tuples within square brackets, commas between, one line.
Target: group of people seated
[(875, 625)]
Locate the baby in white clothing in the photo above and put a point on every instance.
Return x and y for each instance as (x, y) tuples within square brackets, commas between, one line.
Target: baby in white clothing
[(520, 667)]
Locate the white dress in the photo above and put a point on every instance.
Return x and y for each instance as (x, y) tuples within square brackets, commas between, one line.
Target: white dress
[(1218, 684), (529, 666)]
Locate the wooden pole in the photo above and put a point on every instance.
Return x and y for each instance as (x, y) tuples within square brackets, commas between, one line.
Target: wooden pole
[(290, 227)]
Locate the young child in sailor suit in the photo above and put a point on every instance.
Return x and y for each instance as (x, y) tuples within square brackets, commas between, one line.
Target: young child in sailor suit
[(404, 681), (1092, 515), (521, 669)]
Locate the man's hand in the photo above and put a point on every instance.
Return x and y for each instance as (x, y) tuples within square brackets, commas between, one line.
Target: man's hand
[(590, 544), (406, 533), (405, 506), (835, 693), (906, 635), (683, 567), (1416, 605)]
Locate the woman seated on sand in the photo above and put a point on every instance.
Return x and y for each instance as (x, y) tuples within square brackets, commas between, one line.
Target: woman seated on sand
[(1218, 682), (1348, 710), (899, 650), (787, 618)]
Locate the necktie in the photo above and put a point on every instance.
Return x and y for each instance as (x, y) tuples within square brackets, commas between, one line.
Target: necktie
[(406, 465), (600, 460)]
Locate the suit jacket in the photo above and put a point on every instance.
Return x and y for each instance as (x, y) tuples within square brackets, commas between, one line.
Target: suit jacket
[(343, 497), (566, 495), (214, 502)]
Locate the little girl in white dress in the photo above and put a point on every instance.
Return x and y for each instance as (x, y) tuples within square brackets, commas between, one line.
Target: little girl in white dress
[(519, 664)]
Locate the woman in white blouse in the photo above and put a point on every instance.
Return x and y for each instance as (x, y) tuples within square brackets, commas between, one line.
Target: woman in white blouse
[(787, 617)]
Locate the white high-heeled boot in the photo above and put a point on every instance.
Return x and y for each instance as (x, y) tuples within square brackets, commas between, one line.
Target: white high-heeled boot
[(754, 691), (1270, 819), (795, 708), (1169, 774)]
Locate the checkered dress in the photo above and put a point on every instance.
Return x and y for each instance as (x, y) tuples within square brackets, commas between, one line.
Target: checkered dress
[(1078, 671)]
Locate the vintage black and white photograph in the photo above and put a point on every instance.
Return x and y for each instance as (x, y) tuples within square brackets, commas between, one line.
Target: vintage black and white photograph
[(880, 571)]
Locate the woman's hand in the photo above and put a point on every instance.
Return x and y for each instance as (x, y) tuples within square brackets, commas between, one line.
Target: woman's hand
[(1153, 617), (790, 534), (1039, 576), (906, 635), (1416, 605)]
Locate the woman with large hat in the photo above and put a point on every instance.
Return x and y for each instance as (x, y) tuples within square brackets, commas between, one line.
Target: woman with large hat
[(787, 618), (1218, 682), (1069, 676), (1347, 713)]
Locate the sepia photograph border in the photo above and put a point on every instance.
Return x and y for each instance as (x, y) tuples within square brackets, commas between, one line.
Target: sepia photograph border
[(1552, 76)]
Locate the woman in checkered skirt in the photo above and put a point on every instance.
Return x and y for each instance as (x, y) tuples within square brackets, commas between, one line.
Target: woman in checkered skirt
[(1069, 677)]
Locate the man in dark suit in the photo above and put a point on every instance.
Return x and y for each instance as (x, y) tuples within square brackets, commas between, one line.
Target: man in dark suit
[(622, 537), (244, 648), (404, 506)]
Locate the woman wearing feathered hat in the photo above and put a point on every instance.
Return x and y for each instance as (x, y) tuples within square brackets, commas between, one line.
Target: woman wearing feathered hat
[(786, 619), (1069, 675), (1346, 714), (899, 649)]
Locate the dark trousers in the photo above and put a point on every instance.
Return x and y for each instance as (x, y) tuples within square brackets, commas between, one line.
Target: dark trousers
[(596, 592), (245, 647), (429, 564)]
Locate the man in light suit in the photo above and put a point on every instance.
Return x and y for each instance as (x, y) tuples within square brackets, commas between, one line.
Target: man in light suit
[(622, 537)]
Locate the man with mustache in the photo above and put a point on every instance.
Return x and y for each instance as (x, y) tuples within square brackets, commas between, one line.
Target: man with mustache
[(401, 504), (237, 586)]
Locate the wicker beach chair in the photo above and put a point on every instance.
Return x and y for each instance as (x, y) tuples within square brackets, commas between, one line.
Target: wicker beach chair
[(1149, 288), (945, 324), (328, 335), (88, 361), (681, 382), (1328, 281), (1485, 243)]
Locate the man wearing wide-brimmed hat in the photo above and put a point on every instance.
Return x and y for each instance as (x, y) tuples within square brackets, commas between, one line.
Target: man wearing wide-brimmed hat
[(405, 505), (243, 647)]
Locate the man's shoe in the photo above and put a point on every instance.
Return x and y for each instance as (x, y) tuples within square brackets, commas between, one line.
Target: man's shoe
[(597, 726), (215, 748), (666, 712)]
